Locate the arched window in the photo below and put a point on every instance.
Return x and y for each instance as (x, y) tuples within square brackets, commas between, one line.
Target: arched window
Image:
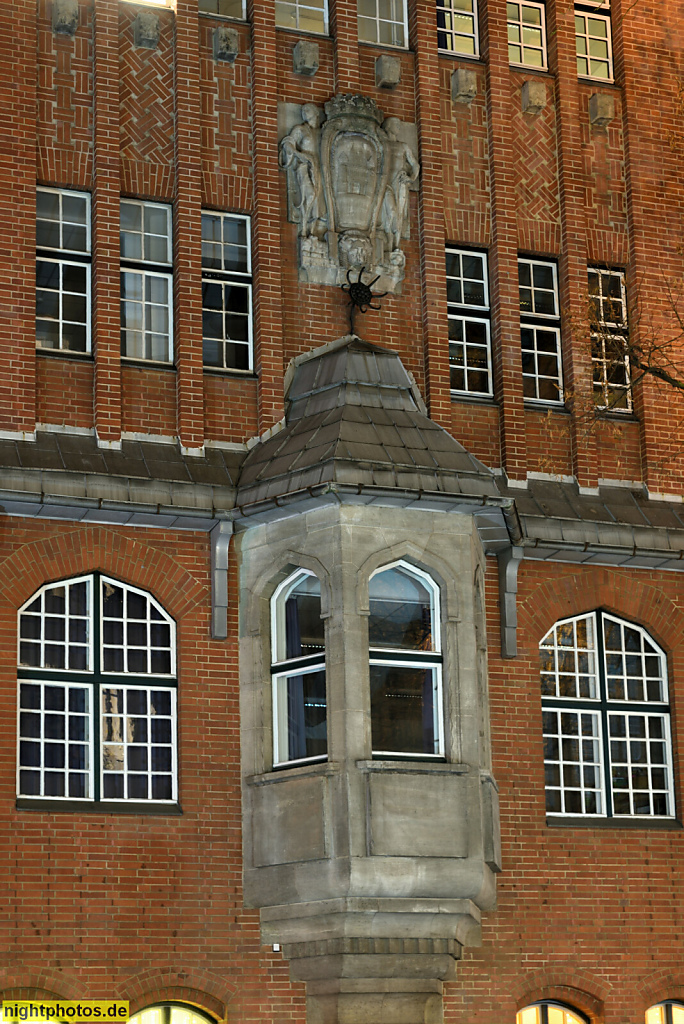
[(97, 694), (171, 1013), (298, 671), (549, 1012), (606, 719), (669, 1012), (405, 663)]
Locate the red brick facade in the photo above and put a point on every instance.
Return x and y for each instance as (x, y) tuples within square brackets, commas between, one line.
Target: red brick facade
[(149, 908)]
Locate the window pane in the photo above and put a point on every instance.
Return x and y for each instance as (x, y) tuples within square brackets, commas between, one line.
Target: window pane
[(400, 611), (301, 708), (403, 709)]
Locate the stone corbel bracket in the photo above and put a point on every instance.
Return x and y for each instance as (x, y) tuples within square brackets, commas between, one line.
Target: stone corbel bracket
[(220, 543), (509, 563), (65, 17)]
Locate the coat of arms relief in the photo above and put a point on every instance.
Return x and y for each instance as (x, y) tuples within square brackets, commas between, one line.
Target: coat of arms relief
[(349, 174)]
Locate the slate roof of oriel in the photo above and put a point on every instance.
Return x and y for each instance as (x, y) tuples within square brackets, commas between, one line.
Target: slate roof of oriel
[(355, 416)]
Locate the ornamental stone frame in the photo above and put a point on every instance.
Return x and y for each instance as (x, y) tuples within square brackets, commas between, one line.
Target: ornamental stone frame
[(349, 174)]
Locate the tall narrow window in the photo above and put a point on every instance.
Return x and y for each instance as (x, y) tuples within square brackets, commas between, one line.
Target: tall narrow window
[(405, 663), (383, 21), (540, 331), (608, 323), (594, 50), (146, 282), (470, 354), (457, 27), (63, 270), (606, 719), (226, 291), (298, 671), (302, 15), (97, 694), (526, 34)]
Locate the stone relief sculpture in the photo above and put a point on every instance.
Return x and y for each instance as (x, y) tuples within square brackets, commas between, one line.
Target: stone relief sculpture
[(349, 176)]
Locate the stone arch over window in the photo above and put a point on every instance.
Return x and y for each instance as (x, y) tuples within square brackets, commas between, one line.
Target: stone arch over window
[(606, 717), (97, 694), (298, 670), (405, 649)]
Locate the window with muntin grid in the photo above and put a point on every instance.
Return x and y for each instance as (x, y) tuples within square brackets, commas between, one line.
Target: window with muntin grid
[(384, 22), (594, 48), (470, 355), (97, 695), (63, 270), (669, 1012), (226, 291), (225, 8), (606, 720), (526, 34), (609, 334), (146, 282), (302, 15), (457, 27), (540, 331)]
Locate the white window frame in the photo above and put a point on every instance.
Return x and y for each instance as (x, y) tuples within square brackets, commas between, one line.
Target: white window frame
[(142, 205), (535, 321), (284, 668), (94, 681), (219, 14), (304, 5), (538, 1013), (450, 10), (462, 312), (548, 264), (370, 19), (148, 269), (536, 352), (237, 279), (79, 258), (591, 662), (519, 22), (404, 658), (604, 331), (586, 15)]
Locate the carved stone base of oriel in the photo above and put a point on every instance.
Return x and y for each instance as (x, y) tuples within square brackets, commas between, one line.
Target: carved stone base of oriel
[(316, 266)]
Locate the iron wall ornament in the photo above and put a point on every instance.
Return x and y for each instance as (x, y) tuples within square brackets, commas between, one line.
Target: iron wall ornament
[(349, 172)]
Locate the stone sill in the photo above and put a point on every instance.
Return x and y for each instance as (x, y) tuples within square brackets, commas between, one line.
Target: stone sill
[(655, 824), (413, 767)]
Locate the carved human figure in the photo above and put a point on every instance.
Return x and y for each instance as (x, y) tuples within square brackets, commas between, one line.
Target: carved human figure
[(403, 169), (300, 154)]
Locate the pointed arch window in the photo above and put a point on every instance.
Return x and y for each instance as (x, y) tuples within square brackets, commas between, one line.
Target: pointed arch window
[(97, 694), (405, 663), (298, 671), (607, 748)]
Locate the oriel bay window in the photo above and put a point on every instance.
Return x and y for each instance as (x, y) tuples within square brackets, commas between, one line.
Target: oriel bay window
[(606, 720), (405, 663), (97, 694), (298, 671)]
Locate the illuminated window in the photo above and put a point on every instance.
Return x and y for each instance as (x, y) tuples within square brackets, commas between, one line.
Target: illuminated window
[(526, 34), (405, 663), (171, 1013), (606, 720), (383, 21), (668, 1012), (457, 27), (302, 15), (298, 671), (549, 1013), (97, 694)]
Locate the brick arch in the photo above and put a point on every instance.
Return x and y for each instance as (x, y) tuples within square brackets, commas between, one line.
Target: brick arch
[(588, 589), (128, 558), (567, 984), (39, 983), (667, 983), (199, 988)]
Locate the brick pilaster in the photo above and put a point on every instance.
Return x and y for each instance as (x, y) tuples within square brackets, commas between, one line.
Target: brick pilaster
[(573, 257), (344, 28), (423, 34), (266, 229), (106, 216), (505, 298), (18, 213), (187, 234)]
